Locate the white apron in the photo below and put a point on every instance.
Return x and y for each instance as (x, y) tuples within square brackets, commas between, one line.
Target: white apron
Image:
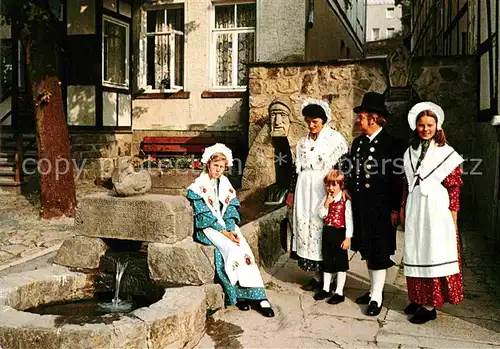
[(313, 161), (430, 235), (236, 258)]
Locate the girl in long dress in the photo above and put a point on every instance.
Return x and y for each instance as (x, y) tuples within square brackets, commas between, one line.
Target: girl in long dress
[(316, 154), (215, 208), (429, 209)]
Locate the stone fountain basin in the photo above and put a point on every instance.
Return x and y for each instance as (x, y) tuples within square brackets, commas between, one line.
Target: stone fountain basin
[(177, 320)]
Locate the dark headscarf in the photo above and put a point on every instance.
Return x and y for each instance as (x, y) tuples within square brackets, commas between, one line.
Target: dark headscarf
[(314, 111)]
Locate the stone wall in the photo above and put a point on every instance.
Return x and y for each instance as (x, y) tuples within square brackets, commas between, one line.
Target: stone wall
[(98, 153), (342, 83), (487, 183)]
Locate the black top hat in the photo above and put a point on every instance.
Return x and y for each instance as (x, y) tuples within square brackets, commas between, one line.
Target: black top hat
[(373, 102)]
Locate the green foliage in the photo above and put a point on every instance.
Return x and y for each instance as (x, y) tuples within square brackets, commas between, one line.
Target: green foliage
[(39, 29), (36, 17)]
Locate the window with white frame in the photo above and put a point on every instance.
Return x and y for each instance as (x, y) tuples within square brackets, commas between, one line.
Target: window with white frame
[(234, 44), (115, 44), (389, 12), (389, 33), (165, 49), (375, 34)]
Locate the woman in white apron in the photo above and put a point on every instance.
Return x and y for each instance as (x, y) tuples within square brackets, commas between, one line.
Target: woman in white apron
[(316, 154), (429, 210), (215, 208)]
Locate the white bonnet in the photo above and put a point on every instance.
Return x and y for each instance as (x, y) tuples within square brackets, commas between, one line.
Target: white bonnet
[(420, 107), (217, 148)]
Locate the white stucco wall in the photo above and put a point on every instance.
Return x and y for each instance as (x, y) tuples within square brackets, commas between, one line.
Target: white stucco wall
[(217, 114), (281, 30), (376, 18)]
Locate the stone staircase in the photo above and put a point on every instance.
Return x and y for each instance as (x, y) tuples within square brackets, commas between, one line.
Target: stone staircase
[(15, 149)]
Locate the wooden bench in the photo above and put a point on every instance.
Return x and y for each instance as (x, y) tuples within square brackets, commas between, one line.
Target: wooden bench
[(166, 146)]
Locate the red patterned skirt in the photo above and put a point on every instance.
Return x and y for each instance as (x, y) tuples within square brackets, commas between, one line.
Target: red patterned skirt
[(437, 291)]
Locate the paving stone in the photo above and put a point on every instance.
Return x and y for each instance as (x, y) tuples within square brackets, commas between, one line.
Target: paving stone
[(32, 252), (15, 240), (15, 249), (445, 327)]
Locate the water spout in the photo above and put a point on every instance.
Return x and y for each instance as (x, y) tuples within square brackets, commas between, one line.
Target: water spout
[(117, 305), (120, 269)]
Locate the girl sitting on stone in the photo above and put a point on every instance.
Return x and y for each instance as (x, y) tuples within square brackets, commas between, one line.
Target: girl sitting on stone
[(215, 208)]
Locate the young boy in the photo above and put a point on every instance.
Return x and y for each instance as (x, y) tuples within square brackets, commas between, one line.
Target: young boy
[(336, 212)]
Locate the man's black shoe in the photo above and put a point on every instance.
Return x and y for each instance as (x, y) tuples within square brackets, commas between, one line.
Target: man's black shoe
[(321, 295), (336, 299), (364, 299)]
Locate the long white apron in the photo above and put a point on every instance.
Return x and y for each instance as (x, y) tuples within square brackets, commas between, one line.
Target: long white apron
[(430, 234), (307, 225), (236, 258)]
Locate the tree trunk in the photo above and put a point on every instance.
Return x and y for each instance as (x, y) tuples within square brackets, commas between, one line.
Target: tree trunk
[(58, 196)]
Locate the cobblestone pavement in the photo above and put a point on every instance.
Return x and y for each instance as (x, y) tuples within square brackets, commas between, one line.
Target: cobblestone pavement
[(302, 322), (23, 235)]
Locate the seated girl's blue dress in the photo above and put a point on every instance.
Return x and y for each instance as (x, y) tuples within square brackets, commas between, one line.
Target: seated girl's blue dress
[(204, 218)]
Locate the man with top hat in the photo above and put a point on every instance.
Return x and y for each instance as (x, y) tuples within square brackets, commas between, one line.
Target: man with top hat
[(374, 180)]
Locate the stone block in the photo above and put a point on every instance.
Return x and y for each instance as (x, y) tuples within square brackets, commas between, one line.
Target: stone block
[(18, 338), (255, 87), (308, 84), (176, 321), (263, 237), (125, 333), (214, 296), (81, 252), (148, 217), (290, 71), (183, 263)]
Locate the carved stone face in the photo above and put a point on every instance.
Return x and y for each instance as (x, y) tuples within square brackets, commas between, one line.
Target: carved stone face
[(280, 120)]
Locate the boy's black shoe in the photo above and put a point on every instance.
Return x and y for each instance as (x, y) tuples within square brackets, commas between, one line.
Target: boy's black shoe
[(336, 299), (321, 295)]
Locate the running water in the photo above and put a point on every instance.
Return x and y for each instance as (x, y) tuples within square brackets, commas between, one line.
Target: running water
[(120, 269), (117, 305)]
